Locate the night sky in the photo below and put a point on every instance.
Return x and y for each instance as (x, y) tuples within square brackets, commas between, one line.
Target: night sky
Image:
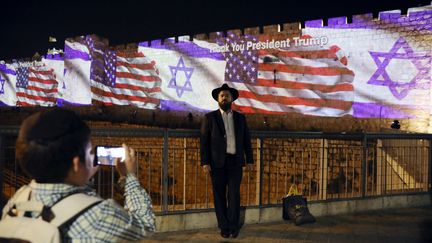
[(26, 25)]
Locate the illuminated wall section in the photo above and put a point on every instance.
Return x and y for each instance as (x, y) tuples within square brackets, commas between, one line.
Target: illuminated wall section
[(370, 68), (390, 59)]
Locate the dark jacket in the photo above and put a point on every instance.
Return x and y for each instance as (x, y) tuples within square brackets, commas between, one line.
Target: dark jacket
[(214, 144)]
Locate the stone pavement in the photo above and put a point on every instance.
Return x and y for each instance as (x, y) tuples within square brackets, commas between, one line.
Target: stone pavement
[(384, 226)]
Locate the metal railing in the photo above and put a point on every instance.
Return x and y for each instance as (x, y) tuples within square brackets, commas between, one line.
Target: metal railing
[(323, 166)]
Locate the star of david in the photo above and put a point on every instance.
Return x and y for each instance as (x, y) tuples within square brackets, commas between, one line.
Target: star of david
[(421, 60), (180, 67), (2, 82)]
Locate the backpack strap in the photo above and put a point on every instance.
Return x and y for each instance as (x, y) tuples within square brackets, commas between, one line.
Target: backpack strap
[(23, 194), (71, 207)]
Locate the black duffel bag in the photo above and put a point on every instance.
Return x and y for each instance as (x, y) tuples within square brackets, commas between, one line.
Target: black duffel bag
[(295, 208)]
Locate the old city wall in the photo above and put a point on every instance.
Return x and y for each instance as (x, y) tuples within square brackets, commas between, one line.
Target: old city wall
[(285, 159)]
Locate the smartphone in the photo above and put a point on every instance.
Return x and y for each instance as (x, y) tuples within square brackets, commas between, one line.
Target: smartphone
[(106, 155)]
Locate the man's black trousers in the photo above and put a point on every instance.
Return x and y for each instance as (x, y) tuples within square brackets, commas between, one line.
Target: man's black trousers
[(227, 203)]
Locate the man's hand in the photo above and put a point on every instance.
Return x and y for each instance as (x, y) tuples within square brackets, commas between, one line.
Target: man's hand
[(206, 169), (250, 167), (129, 165)]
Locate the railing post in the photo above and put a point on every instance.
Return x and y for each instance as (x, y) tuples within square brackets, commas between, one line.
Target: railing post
[(429, 180), (363, 166), (165, 172), (112, 181), (2, 156), (260, 168), (380, 163), (184, 172), (323, 170)]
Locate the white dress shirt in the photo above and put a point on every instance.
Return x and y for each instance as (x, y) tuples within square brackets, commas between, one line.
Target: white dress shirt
[(228, 121)]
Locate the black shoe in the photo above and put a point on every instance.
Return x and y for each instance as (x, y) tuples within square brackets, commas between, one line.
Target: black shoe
[(234, 233), (225, 233)]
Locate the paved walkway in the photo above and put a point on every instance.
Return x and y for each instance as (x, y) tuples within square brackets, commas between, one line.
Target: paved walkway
[(388, 226)]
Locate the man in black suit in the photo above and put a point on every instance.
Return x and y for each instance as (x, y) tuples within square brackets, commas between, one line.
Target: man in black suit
[(225, 148)]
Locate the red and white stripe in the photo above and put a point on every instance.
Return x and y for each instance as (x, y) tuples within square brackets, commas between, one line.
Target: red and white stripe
[(137, 83), (308, 80), (42, 88)]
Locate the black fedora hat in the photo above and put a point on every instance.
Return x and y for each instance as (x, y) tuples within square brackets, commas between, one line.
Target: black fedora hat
[(234, 92)]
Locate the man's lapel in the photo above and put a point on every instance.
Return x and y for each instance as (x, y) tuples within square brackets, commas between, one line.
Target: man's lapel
[(236, 123), (220, 122)]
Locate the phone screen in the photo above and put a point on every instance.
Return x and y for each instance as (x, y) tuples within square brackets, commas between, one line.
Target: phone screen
[(106, 155)]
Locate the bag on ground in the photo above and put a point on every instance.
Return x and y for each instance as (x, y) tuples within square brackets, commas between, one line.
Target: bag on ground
[(295, 208)]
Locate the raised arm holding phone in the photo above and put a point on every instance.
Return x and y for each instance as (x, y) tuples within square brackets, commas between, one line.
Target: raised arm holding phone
[(55, 150)]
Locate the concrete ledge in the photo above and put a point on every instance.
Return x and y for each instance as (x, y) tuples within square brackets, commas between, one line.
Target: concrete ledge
[(199, 220), (368, 204), (176, 222)]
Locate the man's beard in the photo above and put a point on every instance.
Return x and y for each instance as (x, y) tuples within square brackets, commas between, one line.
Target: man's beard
[(225, 105)]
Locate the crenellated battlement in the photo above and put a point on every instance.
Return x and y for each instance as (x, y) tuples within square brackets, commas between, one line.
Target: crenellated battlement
[(384, 19)]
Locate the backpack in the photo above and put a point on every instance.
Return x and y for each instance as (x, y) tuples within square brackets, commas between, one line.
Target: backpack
[(17, 225)]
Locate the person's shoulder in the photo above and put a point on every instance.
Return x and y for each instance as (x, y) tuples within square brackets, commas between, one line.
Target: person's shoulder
[(236, 113), (101, 213), (211, 113), (104, 208)]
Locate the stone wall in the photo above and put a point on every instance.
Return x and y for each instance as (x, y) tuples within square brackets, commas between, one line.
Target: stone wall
[(285, 161), (416, 25)]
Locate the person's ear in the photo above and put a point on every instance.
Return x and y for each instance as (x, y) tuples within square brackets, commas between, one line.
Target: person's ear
[(76, 164)]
